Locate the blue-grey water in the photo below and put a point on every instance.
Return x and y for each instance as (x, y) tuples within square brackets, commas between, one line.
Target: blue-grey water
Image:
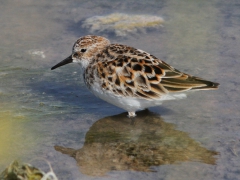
[(52, 115)]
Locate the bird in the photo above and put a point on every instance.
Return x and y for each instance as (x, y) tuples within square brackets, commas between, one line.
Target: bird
[(130, 78)]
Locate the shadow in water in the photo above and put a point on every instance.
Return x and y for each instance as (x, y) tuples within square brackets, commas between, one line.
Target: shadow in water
[(119, 143)]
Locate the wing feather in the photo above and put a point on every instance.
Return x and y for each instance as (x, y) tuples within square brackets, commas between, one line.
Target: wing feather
[(131, 72)]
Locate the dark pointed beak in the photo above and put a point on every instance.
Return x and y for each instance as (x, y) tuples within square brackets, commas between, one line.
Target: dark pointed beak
[(63, 62)]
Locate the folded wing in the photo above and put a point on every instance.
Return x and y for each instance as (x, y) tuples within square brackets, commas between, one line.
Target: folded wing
[(133, 72)]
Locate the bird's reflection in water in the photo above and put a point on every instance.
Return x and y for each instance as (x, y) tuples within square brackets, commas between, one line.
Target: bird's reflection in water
[(115, 143)]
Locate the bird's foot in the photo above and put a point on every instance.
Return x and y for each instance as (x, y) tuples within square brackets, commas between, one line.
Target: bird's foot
[(131, 114)]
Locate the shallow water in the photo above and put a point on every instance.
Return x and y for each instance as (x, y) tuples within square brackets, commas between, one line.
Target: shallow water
[(51, 114)]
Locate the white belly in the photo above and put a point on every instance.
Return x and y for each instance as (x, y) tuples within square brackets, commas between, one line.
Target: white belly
[(131, 104)]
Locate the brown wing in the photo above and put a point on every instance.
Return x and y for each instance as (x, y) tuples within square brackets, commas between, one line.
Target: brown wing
[(131, 72)]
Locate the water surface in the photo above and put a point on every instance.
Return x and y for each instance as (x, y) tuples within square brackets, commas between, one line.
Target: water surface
[(52, 115)]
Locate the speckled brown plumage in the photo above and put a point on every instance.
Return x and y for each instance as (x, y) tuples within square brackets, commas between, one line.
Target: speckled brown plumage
[(128, 77), (127, 71)]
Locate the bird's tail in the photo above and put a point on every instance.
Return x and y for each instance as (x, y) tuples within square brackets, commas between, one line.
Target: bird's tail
[(185, 82), (205, 85)]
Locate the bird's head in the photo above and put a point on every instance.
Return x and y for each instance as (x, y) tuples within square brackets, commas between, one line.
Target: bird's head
[(84, 50)]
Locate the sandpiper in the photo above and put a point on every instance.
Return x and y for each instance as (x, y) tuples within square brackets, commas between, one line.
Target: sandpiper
[(130, 78)]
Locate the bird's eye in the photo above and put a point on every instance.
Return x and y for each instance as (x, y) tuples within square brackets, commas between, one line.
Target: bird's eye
[(83, 50)]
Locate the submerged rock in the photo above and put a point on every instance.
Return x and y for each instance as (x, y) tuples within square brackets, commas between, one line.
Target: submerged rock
[(19, 171), (122, 24)]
